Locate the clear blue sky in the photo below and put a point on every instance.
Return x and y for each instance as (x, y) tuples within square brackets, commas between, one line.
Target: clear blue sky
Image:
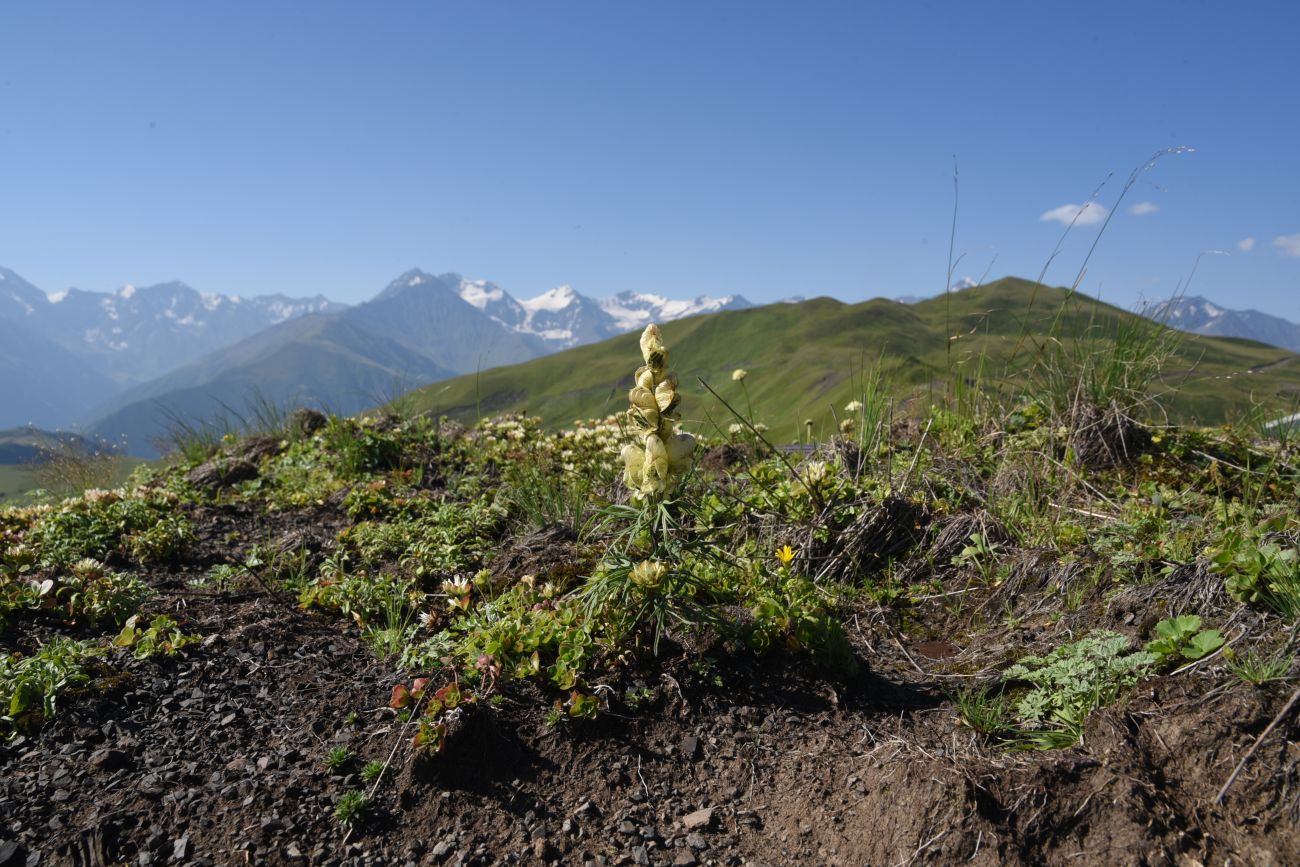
[(681, 147)]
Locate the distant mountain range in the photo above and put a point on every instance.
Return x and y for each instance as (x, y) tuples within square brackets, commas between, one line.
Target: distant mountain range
[(63, 352), (1202, 316), (419, 329), (127, 363), (137, 333)]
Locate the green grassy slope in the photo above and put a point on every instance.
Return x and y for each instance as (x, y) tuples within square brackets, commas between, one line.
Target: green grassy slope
[(805, 358)]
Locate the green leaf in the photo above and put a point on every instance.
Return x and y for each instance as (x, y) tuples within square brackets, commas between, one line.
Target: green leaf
[(1203, 643), (1179, 628)]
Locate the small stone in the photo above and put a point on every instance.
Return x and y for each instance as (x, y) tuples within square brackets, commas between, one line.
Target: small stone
[(689, 746), (699, 819), (640, 855), (696, 841), (443, 849), (108, 761), (685, 858), (292, 851), (626, 827), (181, 848)]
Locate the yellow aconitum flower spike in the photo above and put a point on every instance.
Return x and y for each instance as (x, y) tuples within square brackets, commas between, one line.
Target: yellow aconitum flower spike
[(785, 554), (652, 348), (653, 467)]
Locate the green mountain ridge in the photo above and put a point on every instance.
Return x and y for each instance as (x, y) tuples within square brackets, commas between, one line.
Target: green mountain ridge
[(807, 360)]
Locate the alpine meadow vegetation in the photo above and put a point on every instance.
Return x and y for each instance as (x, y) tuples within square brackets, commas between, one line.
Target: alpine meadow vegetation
[(990, 582)]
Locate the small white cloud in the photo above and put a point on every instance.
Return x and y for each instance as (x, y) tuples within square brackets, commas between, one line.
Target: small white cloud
[(1087, 214), (1288, 245), (1143, 208), (1245, 245)]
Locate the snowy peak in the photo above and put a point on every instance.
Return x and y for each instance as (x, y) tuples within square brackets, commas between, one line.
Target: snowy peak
[(491, 299), (408, 281), (559, 298), (633, 310), (1202, 316), (564, 317)]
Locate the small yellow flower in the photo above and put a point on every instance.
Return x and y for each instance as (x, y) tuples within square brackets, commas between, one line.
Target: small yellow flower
[(785, 554), (739, 374)]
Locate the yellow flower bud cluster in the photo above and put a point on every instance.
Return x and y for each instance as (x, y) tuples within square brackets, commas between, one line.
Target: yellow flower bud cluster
[(654, 464)]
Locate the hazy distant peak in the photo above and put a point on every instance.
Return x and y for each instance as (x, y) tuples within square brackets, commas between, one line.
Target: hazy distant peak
[(1200, 315)]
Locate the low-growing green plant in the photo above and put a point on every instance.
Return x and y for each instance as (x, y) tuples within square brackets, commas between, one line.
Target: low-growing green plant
[(371, 771), (163, 636), (337, 758), (431, 712), (86, 592), (1070, 682), (982, 554), (351, 808), (1179, 639), (30, 685), (1258, 669), (983, 709), (103, 522), (1260, 571)]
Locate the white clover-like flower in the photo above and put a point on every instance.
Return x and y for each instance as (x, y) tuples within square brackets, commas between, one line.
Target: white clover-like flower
[(853, 406), (649, 574), (735, 429), (739, 374), (814, 472)]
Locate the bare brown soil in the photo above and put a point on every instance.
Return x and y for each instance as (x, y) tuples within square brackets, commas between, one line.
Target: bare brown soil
[(218, 756)]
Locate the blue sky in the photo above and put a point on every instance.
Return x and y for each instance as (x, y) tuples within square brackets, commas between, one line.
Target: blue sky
[(680, 147)]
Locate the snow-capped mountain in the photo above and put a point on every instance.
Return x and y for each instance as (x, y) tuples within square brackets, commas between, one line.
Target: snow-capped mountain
[(1202, 316), (563, 317), (137, 333), (633, 310)]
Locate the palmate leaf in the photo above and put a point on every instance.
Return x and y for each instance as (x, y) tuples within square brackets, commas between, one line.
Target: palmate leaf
[(1203, 644), (1179, 629)]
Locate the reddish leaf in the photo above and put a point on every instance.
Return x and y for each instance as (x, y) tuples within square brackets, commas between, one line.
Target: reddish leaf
[(401, 697)]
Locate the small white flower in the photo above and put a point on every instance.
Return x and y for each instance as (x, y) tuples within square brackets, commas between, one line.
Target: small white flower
[(739, 374)]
